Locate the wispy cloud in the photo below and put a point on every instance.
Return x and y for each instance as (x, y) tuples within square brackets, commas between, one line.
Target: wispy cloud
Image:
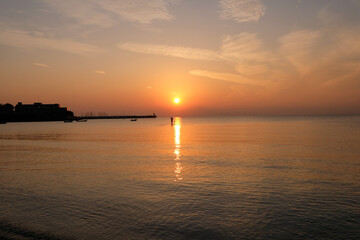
[(141, 11), (106, 13), (244, 51), (243, 47), (323, 56), (43, 65), (242, 10), (100, 72), (85, 12), (299, 48), (173, 51), (229, 77), (24, 39)]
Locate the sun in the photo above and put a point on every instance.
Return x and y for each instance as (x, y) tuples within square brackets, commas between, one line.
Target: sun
[(177, 100)]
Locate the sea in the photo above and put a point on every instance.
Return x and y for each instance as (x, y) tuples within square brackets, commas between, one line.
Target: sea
[(200, 178)]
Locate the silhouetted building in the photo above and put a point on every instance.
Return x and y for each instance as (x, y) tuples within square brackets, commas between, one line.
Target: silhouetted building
[(34, 112), (39, 107), (6, 108)]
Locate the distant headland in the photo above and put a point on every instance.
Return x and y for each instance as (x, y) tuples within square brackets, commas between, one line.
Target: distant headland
[(39, 112)]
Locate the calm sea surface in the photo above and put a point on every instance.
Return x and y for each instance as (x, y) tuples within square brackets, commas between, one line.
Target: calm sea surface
[(203, 178)]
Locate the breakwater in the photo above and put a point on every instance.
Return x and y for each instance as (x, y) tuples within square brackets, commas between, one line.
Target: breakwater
[(114, 117)]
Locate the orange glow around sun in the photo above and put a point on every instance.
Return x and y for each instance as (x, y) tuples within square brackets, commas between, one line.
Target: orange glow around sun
[(177, 100)]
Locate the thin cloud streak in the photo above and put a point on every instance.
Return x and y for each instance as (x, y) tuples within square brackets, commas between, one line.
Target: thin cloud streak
[(43, 65), (100, 72), (23, 39), (242, 10), (141, 11), (229, 77), (172, 51), (106, 13)]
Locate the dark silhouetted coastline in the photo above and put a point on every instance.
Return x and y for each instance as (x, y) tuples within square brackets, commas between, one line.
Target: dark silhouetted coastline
[(39, 112)]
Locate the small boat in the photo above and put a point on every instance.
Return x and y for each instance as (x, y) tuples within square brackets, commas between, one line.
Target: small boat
[(133, 119), (82, 120)]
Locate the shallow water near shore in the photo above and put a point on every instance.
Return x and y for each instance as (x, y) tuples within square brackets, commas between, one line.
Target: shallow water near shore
[(202, 178)]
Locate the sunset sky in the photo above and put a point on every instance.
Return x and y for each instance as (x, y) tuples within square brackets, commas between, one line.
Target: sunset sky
[(224, 57)]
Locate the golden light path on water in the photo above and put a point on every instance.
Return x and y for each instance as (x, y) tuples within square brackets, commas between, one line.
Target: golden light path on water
[(178, 167)]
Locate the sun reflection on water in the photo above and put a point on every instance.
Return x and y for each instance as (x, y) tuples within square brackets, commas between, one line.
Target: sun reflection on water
[(178, 167)]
